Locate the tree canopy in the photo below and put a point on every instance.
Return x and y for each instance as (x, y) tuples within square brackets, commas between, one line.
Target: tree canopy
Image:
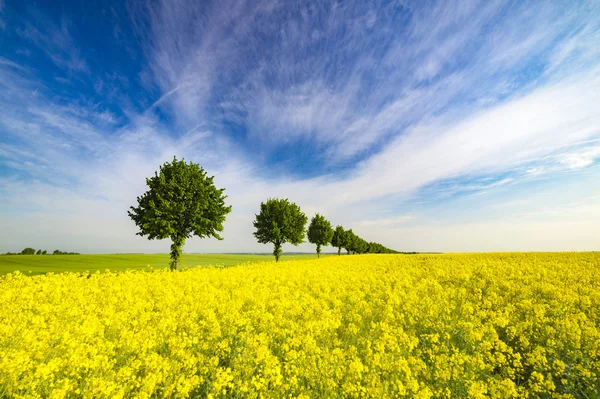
[(349, 238), (59, 252), (319, 232), (337, 240), (181, 202), (354, 244), (279, 222)]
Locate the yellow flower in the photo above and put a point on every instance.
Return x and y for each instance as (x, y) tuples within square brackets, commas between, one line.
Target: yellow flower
[(477, 325)]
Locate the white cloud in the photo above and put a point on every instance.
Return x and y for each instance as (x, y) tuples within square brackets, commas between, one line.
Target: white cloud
[(505, 135), (581, 159)]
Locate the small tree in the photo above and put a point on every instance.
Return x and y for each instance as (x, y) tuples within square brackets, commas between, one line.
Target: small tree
[(44, 252), (319, 232), (278, 222), (337, 240), (56, 252), (182, 201), (39, 252), (28, 251)]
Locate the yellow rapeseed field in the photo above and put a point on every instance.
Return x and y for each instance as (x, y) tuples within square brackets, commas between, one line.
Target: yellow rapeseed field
[(381, 326)]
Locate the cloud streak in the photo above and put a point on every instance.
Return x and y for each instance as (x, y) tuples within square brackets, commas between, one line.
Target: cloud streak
[(56, 43)]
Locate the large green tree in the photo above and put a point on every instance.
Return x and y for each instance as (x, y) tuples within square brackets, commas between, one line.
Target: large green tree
[(337, 240), (278, 222), (319, 232), (181, 202)]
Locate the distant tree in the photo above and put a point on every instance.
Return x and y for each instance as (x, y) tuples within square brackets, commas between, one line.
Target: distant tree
[(361, 246), (182, 201), (319, 232), (337, 240), (349, 241), (39, 252), (374, 248), (44, 252), (28, 251), (56, 252), (278, 222), (356, 245)]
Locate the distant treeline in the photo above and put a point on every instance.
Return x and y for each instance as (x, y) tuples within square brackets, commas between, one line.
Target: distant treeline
[(32, 251), (281, 221), (353, 244)]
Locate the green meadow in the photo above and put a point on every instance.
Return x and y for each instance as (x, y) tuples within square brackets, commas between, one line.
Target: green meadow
[(41, 264)]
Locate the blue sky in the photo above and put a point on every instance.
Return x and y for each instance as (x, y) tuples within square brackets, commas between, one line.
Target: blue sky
[(424, 125)]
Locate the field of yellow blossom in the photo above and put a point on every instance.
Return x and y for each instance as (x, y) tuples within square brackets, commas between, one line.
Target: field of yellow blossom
[(381, 326)]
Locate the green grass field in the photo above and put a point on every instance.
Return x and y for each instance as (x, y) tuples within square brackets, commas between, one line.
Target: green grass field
[(41, 264)]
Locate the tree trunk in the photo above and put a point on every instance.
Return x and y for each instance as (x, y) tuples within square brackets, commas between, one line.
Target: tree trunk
[(339, 251), (176, 247), (277, 251), (318, 250)]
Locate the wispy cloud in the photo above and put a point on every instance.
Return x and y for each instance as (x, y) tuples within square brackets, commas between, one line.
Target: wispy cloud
[(353, 76), (581, 159), (55, 42)]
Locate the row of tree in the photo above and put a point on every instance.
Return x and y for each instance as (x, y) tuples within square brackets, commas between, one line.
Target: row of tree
[(182, 201), (32, 251), (281, 221), (353, 244)]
